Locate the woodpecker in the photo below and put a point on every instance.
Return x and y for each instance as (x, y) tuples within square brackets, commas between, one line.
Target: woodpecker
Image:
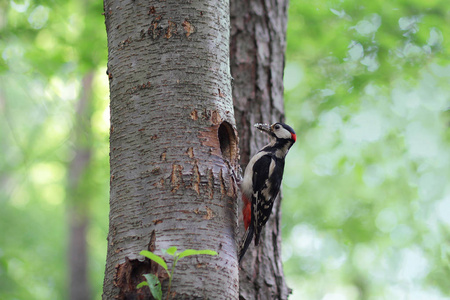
[(262, 180)]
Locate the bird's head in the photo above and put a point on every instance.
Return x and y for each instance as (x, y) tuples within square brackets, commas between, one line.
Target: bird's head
[(279, 131)]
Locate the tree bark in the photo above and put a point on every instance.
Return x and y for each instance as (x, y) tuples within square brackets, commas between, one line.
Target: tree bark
[(77, 205), (173, 146), (258, 42)]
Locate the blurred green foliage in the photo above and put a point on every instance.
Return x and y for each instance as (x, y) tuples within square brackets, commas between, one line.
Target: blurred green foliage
[(367, 202), (366, 206), (47, 48)]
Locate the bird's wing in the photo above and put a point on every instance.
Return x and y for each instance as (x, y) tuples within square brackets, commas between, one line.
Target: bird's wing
[(261, 206)]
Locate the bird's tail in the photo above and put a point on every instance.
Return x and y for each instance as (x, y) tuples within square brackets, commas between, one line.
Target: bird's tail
[(246, 241)]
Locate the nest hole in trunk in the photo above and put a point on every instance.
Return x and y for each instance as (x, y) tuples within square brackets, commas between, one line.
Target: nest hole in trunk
[(228, 142)]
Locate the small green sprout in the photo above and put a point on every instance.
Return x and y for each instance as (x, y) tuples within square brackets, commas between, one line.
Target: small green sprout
[(152, 280)]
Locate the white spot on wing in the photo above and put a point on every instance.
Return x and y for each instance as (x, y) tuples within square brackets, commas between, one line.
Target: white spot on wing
[(271, 167)]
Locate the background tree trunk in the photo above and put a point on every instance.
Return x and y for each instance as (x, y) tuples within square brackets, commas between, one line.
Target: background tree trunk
[(258, 42), (77, 203), (173, 146)]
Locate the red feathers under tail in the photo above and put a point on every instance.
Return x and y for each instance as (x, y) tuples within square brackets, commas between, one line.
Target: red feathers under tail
[(247, 213)]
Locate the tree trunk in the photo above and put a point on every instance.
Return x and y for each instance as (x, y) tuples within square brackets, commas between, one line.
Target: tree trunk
[(77, 210), (79, 288), (173, 146), (258, 42)]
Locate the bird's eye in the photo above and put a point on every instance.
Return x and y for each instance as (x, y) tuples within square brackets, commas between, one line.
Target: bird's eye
[(277, 127)]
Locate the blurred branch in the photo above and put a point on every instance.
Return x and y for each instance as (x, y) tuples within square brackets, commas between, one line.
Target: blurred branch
[(79, 288)]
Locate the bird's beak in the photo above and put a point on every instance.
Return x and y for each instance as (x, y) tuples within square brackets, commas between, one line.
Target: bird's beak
[(264, 128)]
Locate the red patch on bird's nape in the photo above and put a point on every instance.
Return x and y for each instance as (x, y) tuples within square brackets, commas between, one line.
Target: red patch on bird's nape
[(294, 137)]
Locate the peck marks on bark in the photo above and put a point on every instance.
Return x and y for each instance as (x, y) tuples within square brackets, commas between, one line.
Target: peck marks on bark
[(139, 87), (125, 43), (209, 138), (163, 156), (210, 187), (209, 214), (158, 221), (194, 115), (171, 29), (151, 10), (188, 27), (176, 177), (196, 179), (155, 29), (215, 117), (156, 171), (190, 152), (160, 183)]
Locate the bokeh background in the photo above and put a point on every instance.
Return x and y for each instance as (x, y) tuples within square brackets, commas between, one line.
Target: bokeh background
[(366, 208)]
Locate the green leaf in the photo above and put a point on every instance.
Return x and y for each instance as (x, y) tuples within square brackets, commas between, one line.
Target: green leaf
[(171, 251), (143, 283), (189, 252), (155, 258), (154, 285)]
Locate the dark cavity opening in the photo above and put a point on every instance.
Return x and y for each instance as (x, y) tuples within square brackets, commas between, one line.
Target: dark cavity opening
[(228, 142)]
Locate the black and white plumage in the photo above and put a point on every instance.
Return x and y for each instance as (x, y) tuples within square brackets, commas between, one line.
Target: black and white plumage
[(262, 180)]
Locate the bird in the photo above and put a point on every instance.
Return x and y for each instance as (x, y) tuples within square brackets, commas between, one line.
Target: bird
[(262, 180)]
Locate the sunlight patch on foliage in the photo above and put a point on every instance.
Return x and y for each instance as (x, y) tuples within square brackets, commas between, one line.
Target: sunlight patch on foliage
[(38, 17)]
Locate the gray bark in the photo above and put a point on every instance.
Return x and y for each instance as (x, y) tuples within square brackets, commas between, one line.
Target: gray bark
[(173, 146), (258, 42)]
